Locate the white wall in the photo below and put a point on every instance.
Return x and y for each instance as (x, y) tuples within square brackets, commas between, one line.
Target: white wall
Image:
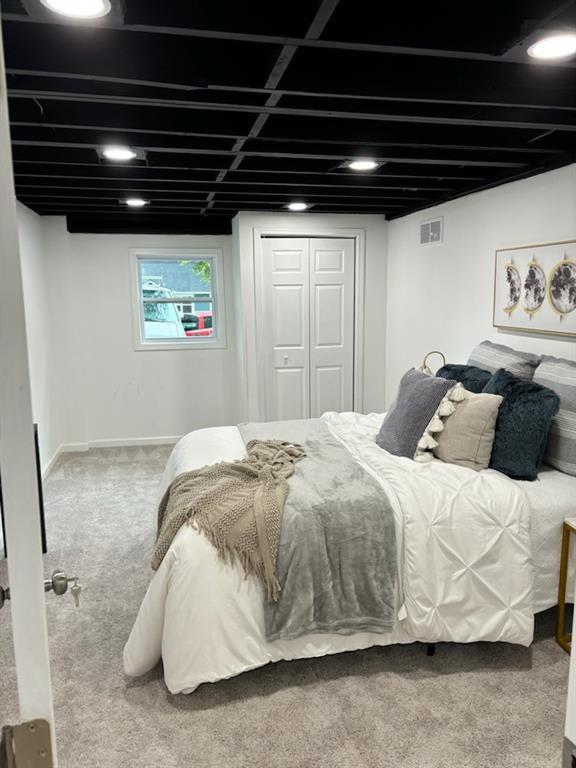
[(374, 228), (38, 329), (89, 385), (111, 391), (440, 296)]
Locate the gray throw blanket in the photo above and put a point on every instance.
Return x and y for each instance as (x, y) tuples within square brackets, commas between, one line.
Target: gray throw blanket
[(336, 562)]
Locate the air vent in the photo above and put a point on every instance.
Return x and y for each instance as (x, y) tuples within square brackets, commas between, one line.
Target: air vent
[(432, 232)]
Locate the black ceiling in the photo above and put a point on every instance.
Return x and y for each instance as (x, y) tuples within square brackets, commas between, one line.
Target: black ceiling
[(246, 106)]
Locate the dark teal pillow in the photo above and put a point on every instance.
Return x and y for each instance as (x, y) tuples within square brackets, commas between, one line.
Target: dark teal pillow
[(473, 379), (524, 420)]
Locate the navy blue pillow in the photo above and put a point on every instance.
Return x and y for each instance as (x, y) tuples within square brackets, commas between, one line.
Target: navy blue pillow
[(473, 379), (523, 424)]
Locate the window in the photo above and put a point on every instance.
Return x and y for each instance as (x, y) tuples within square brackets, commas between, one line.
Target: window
[(177, 298)]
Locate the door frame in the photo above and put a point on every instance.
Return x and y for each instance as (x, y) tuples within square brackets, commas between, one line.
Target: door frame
[(255, 376), (18, 460)]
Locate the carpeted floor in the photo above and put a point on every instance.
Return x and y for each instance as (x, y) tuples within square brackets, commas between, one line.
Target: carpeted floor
[(477, 706)]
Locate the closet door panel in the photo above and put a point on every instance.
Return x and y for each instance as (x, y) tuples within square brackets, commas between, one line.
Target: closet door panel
[(284, 327), (332, 325)]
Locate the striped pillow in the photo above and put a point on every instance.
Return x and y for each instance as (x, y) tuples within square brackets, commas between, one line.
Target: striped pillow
[(560, 375), (491, 357)]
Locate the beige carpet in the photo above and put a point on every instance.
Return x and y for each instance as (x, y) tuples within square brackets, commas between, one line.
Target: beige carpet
[(477, 706)]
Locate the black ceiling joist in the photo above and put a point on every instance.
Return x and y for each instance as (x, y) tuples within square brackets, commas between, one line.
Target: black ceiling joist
[(139, 101), (353, 181), (249, 118), (294, 155), (164, 180), (323, 14), (284, 140), (299, 42), (287, 92), (264, 193)]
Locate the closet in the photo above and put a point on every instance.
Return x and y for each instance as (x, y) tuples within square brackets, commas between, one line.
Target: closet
[(305, 325)]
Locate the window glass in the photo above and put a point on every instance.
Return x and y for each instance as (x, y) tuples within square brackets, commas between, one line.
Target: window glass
[(177, 298)]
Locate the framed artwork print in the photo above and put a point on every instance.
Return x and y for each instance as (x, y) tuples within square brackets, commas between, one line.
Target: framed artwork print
[(535, 288)]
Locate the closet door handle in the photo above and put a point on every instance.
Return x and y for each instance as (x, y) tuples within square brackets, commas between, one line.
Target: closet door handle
[(285, 359)]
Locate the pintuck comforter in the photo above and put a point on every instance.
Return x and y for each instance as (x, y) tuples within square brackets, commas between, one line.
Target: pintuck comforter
[(463, 553)]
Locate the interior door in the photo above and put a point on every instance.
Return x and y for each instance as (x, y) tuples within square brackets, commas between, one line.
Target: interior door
[(305, 339), (17, 460), (284, 328), (331, 325)]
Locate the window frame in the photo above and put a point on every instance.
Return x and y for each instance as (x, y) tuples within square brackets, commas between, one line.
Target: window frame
[(216, 256)]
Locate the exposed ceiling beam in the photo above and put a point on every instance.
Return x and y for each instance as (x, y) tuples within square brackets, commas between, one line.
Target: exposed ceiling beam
[(128, 179), (535, 25), (234, 206), (298, 42), (286, 92), (123, 190), (306, 156), (34, 198), (340, 174), (321, 18), (138, 101), (117, 129), (285, 140), (488, 185)]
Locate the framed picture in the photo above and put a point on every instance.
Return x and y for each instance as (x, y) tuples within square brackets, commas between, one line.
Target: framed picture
[(535, 288)]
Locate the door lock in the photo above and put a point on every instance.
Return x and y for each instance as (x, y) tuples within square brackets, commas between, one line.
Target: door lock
[(57, 584)]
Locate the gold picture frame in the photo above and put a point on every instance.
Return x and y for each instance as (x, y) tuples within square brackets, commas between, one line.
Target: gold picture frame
[(536, 310)]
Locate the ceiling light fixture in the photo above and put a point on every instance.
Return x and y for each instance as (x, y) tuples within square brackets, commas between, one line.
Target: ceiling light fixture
[(551, 47), (119, 154), (296, 206), (79, 9), (136, 202), (362, 164)]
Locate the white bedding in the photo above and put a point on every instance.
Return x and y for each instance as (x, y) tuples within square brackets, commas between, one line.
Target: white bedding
[(464, 558)]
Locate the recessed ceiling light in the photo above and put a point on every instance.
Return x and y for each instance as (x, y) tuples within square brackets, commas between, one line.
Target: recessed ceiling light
[(119, 154), (136, 202), (79, 9), (362, 164), (554, 47), (297, 206)]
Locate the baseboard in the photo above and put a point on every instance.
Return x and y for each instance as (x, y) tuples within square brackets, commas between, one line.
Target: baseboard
[(120, 442), (129, 442), (568, 754), (64, 448)]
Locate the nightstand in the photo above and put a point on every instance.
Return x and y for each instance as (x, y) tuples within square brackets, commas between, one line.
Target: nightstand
[(564, 639)]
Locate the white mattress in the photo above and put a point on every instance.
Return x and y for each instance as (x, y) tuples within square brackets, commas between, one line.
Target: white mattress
[(552, 498)]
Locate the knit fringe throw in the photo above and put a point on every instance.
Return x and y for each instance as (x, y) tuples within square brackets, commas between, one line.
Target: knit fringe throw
[(237, 505)]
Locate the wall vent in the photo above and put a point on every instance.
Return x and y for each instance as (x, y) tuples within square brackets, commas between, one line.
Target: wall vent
[(431, 232)]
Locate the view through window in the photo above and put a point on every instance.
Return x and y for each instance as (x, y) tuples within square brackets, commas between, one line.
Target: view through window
[(177, 298)]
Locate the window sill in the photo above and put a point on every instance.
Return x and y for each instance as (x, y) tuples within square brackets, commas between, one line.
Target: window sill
[(171, 346)]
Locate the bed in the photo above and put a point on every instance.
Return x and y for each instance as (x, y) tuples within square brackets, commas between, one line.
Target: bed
[(477, 558)]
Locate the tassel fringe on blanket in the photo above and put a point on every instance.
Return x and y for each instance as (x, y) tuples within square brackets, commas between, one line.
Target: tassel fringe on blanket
[(237, 505)]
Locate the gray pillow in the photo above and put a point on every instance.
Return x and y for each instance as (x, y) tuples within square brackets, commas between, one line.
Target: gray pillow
[(491, 357), (468, 434), (418, 398), (560, 376)]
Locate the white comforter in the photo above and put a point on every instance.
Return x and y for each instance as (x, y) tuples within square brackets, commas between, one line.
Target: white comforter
[(464, 559)]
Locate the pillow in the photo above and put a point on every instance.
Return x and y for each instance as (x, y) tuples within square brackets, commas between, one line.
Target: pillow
[(468, 434), (491, 357), (560, 376), (522, 426), (474, 379), (419, 396)]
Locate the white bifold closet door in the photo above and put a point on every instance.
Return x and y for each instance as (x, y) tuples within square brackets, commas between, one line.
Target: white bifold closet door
[(306, 326)]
